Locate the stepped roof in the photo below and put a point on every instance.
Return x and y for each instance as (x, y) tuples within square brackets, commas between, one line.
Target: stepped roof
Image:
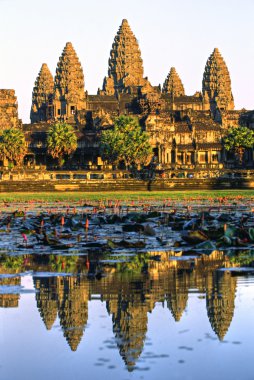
[(125, 62), (69, 78), (173, 84), (216, 85)]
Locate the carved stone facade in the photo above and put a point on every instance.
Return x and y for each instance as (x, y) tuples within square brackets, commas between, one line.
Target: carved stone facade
[(173, 84), (125, 70), (186, 139), (216, 84), (69, 89), (8, 110), (42, 97)]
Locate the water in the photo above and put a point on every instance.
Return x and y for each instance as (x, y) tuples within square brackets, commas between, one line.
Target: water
[(174, 319), (108, 302)]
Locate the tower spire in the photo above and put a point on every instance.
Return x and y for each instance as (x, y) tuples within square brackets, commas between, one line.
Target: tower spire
[(69, 84), (125, 62), (216, 84), (173, 84), (41, 109)]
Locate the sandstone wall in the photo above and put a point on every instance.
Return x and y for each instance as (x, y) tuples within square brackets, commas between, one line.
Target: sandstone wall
[(8, 110)]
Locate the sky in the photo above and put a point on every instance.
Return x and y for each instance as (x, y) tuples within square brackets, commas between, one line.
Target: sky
[(179, 33)]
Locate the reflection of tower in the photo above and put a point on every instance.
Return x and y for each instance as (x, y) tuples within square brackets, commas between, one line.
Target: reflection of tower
[(11, 299), (220, 301), (204, 266), (47, 300), (177, 296), (130, 326), (73, 308)]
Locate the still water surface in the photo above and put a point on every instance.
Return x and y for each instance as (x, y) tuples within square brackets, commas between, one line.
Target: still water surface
[(178, 321)]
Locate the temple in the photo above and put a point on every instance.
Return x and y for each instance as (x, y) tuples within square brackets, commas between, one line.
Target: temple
[(186, 131)]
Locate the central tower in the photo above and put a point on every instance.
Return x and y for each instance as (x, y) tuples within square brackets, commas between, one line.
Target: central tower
[(125, 70)]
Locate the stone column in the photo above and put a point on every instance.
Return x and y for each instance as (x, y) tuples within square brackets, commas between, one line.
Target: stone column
[(195, 158), (169, 156), (160, 154), (209, 157), (184, 157), (176, 153), (163, 155)]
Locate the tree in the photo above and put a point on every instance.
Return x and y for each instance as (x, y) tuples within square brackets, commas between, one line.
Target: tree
[(238, 140), (13, 145), (126, 142), (61, 141)]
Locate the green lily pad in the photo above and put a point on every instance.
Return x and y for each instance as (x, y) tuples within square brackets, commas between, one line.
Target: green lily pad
[(230, 231), (251, 233)]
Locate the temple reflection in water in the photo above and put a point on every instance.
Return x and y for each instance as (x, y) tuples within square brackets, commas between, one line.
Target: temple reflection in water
[(129, 297), (10, 299)]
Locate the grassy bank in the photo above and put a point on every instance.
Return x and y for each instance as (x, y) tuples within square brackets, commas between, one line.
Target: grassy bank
[(81, 196)]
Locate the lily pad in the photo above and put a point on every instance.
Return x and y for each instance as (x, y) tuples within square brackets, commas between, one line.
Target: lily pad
[(230, 231), (251, 233), (194, 237)]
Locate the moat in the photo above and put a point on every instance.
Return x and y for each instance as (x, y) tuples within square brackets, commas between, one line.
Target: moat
[(127, 289), (177, 322)]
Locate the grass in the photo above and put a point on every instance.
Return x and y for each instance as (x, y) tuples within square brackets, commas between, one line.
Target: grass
[(78, 196)]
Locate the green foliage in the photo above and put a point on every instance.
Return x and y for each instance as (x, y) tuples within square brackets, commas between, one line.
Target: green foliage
[(146, 196), (13, 145), (126, 142), (63, 263), (137, 264), (61, 141), (243, 258), (238, 139), (11, 262)]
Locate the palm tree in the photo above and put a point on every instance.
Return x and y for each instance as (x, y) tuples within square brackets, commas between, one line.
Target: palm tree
[(238, 139), (13, 145), (61, 141)]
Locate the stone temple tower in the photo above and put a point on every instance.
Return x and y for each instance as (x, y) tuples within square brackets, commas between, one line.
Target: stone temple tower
[(125, 63), (69, 92), (42, 108), (173, 84), (216, 84)]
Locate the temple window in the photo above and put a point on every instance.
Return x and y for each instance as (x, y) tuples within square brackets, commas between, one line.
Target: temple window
[(215, 157), (180, 158), (72, 110), (58, 111), (203, 157), (188, 158)]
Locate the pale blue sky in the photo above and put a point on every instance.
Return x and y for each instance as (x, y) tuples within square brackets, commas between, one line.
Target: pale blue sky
[(180, 33)]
